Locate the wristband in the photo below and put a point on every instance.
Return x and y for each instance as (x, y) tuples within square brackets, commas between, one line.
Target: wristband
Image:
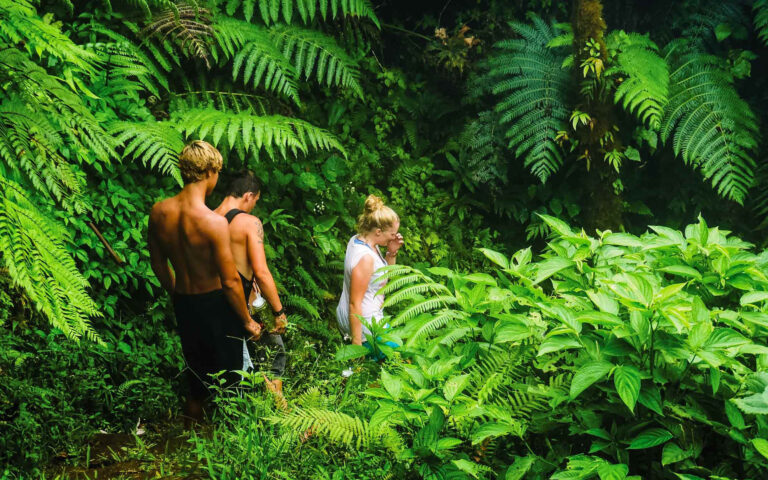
[(277, 314), (390, 254)]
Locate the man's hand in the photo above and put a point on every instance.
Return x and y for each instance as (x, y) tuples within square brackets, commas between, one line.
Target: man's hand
[(253, 329), (280, 323)]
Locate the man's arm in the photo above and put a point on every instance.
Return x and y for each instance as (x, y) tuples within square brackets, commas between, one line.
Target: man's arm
[(230, 281), (257, 258), (158, 260)]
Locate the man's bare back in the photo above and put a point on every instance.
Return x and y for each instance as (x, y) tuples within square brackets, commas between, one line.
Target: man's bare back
[(186, 234)]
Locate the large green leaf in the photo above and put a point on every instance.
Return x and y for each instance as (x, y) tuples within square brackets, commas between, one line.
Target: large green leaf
[(626, 378), (650, 438), (588, 374)]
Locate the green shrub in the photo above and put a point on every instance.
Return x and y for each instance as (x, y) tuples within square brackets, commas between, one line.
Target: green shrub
[(619, 356)]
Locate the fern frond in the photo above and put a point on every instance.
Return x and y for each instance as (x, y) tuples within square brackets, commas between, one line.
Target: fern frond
[(253, 132), (47, 96), (430, 325), (129, 59), (271, 11), (156, 144), (256, 55), (21, 25), (336, 427), (424, 306), (313, 51), (528, 77), (645, 88), (481, 144), (761, 20), (32, 248), (189, 26), (30, 144), (711, 127), (302, 304), (413, 292)]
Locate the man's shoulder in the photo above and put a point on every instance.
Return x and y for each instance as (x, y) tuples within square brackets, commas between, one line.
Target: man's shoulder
[(162, 207), (246, 221)]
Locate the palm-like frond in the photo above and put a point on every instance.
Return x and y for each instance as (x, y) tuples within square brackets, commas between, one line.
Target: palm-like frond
[(122, 58), (32, 248), (253, 133), (313, 51), (335, 426), (645, 88), (156, 145), (710, 126), (189, 26), (271, 11), (761, 20), (256, 56), (20, 25), (529, 78)]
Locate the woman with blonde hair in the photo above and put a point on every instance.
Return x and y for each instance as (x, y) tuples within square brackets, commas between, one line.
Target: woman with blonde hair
[(359, 305)]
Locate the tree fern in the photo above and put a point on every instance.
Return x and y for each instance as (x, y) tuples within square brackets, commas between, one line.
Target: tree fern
[(761, 20), (188, 26), (131, 60), (32, 248), (256, 55), (273, 11), (481, 144), (20, 25), (253, 133), (710, 126), (645, 88), (155, 144), (312, 51), (528, 76)]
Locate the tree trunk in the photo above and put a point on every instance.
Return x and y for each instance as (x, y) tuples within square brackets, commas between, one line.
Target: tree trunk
[(605, 207)]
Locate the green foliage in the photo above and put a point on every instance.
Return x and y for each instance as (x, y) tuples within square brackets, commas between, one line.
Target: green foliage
[(33, 250), (312, 51), (761, 19), (54, 393), (258, 57), (307, 10), (533, 86), (645, 88), (607, 356), (710, 126)]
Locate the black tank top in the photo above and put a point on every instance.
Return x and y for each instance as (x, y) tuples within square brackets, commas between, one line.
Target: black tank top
[(247, 283)]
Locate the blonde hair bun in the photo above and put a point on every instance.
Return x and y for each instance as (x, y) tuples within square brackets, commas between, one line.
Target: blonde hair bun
[(373, 203), (375, 215)]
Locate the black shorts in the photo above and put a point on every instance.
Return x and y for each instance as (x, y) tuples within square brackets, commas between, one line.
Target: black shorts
[(211, 339)]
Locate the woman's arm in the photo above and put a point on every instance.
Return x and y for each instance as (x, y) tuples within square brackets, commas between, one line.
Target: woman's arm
[(358, 284)]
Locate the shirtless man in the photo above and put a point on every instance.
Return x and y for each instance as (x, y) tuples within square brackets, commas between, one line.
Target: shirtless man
[(211, 312), (247, 240)]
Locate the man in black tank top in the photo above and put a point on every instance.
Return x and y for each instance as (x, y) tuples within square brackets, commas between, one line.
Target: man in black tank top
[(247, 242)]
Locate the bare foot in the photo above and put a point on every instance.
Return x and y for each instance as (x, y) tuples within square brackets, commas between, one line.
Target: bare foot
[(276, 388)]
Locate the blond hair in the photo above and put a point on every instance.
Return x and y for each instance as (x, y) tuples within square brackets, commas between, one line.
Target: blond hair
[(375, 215), (197, 159)]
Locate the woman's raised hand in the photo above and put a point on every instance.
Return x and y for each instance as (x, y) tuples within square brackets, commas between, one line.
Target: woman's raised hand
[(394, 245)]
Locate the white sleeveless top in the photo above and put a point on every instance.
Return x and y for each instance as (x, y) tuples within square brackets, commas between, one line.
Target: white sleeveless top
[(372, 307)]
